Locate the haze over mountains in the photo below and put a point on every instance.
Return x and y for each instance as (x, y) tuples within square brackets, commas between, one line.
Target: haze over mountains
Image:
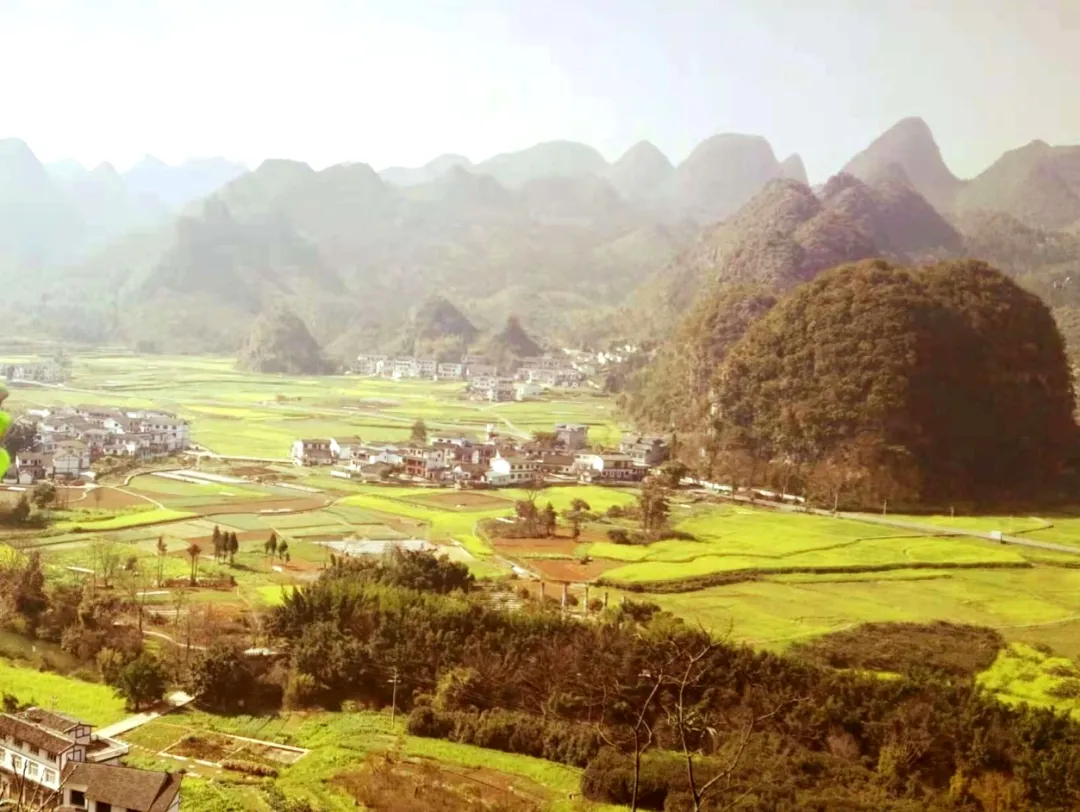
[(186, 258)]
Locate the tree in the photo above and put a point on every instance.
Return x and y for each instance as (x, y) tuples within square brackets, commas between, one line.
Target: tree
[(135, 584), (549, 520), (580, 505), (142, 681), (194, 551), (283, 550), (20, 436), (162, 551), (653, 503), (419, 432), (216, 540), (271, 545), (673, 472), (106, 556), (43, 495), (21, 512), (574, 518), (545, 439), (234, 547), (528, 515), (221, 678)]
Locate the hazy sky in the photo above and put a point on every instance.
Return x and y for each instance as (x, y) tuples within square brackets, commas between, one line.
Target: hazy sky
[(399, 81)]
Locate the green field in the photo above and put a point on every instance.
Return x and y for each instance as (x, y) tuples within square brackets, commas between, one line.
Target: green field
[(729, 539), (94, 703), (247, 414)]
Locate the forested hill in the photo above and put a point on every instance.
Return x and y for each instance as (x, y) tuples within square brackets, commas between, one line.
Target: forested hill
[(555, 234)]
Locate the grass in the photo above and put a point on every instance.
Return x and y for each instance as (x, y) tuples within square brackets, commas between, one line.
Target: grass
[(133, 519), (729, 539), (1038, 605), (94, 703), (1024, 674), (337, 743)]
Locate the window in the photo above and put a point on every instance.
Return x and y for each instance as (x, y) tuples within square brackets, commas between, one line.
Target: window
[(78, 798), (50, 777), (16, 762), (31, 769)]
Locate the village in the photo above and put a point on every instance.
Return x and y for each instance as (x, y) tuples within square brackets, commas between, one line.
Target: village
[(569, 370), (562, 455), (68, 440)]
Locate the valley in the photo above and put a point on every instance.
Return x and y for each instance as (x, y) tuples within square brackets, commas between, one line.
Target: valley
[(751, 573)]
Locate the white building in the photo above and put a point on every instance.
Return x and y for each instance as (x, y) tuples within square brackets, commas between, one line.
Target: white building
[(513, 470), (75, 767), (524, 390), (343, 447), (608, 468)]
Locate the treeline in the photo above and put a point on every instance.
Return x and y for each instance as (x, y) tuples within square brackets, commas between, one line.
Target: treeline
[(654, 709)]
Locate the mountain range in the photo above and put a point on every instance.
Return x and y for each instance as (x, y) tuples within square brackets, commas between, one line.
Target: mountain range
[(54, 214), (581, 249)]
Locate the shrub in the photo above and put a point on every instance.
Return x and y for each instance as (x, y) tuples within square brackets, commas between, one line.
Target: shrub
[(510, 732), (619, 535), (677, 535), (1066, 689), (609, 778), (249, 768)]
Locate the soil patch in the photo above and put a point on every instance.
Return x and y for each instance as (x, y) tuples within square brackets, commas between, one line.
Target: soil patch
[(104, 498), (569, 570), (558, 545), (206, 747), (261, 506), (463, 500)]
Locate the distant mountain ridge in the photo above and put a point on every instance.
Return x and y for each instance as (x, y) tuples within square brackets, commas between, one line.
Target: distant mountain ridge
[(554, 233)]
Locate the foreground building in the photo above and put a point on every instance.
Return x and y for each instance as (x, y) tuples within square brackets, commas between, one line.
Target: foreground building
[(48, 756)]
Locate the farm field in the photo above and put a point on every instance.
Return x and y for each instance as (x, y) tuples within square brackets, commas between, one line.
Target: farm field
[(759, 576), (247, 414)]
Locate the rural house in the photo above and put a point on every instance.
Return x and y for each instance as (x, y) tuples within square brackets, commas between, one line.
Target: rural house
[(647, 451), (572, 436), (513, 470), (608, 468), (342, 448), (311, 452), (63, 756)]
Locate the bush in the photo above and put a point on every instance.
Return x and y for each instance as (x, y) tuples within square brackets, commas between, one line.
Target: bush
[(677, 535), (619, 535), (609, 778), (1066, 689), (510, 732), (249, 768)]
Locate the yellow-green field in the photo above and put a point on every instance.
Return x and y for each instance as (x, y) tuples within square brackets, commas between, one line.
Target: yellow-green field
[(246, 414)]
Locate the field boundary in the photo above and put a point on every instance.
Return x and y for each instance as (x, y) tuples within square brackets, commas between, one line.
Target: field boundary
[(681, 585)]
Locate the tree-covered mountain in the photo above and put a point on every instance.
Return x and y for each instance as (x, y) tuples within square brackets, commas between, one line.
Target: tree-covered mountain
[(509, 345), (909, 146), (39, 225), (279, 341), (936, 385), (787, 235), (1037, 184)]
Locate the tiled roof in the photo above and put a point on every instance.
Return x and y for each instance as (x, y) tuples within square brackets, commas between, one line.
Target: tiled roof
[(141, 790), (35, 735), (51, 719)]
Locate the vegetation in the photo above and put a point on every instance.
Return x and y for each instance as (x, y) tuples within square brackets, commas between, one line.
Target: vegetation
[(918, 387), (280, 342)]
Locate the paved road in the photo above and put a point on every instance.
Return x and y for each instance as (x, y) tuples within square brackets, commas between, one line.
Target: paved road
[(901, 524), (173, 701)]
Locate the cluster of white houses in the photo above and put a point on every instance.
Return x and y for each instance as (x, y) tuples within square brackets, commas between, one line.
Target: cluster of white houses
[(32, 371), (54, 761), (531, 378), (492, 462), (69, 439)]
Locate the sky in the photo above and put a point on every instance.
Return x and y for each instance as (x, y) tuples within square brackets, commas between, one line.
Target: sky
[(397, 82)]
